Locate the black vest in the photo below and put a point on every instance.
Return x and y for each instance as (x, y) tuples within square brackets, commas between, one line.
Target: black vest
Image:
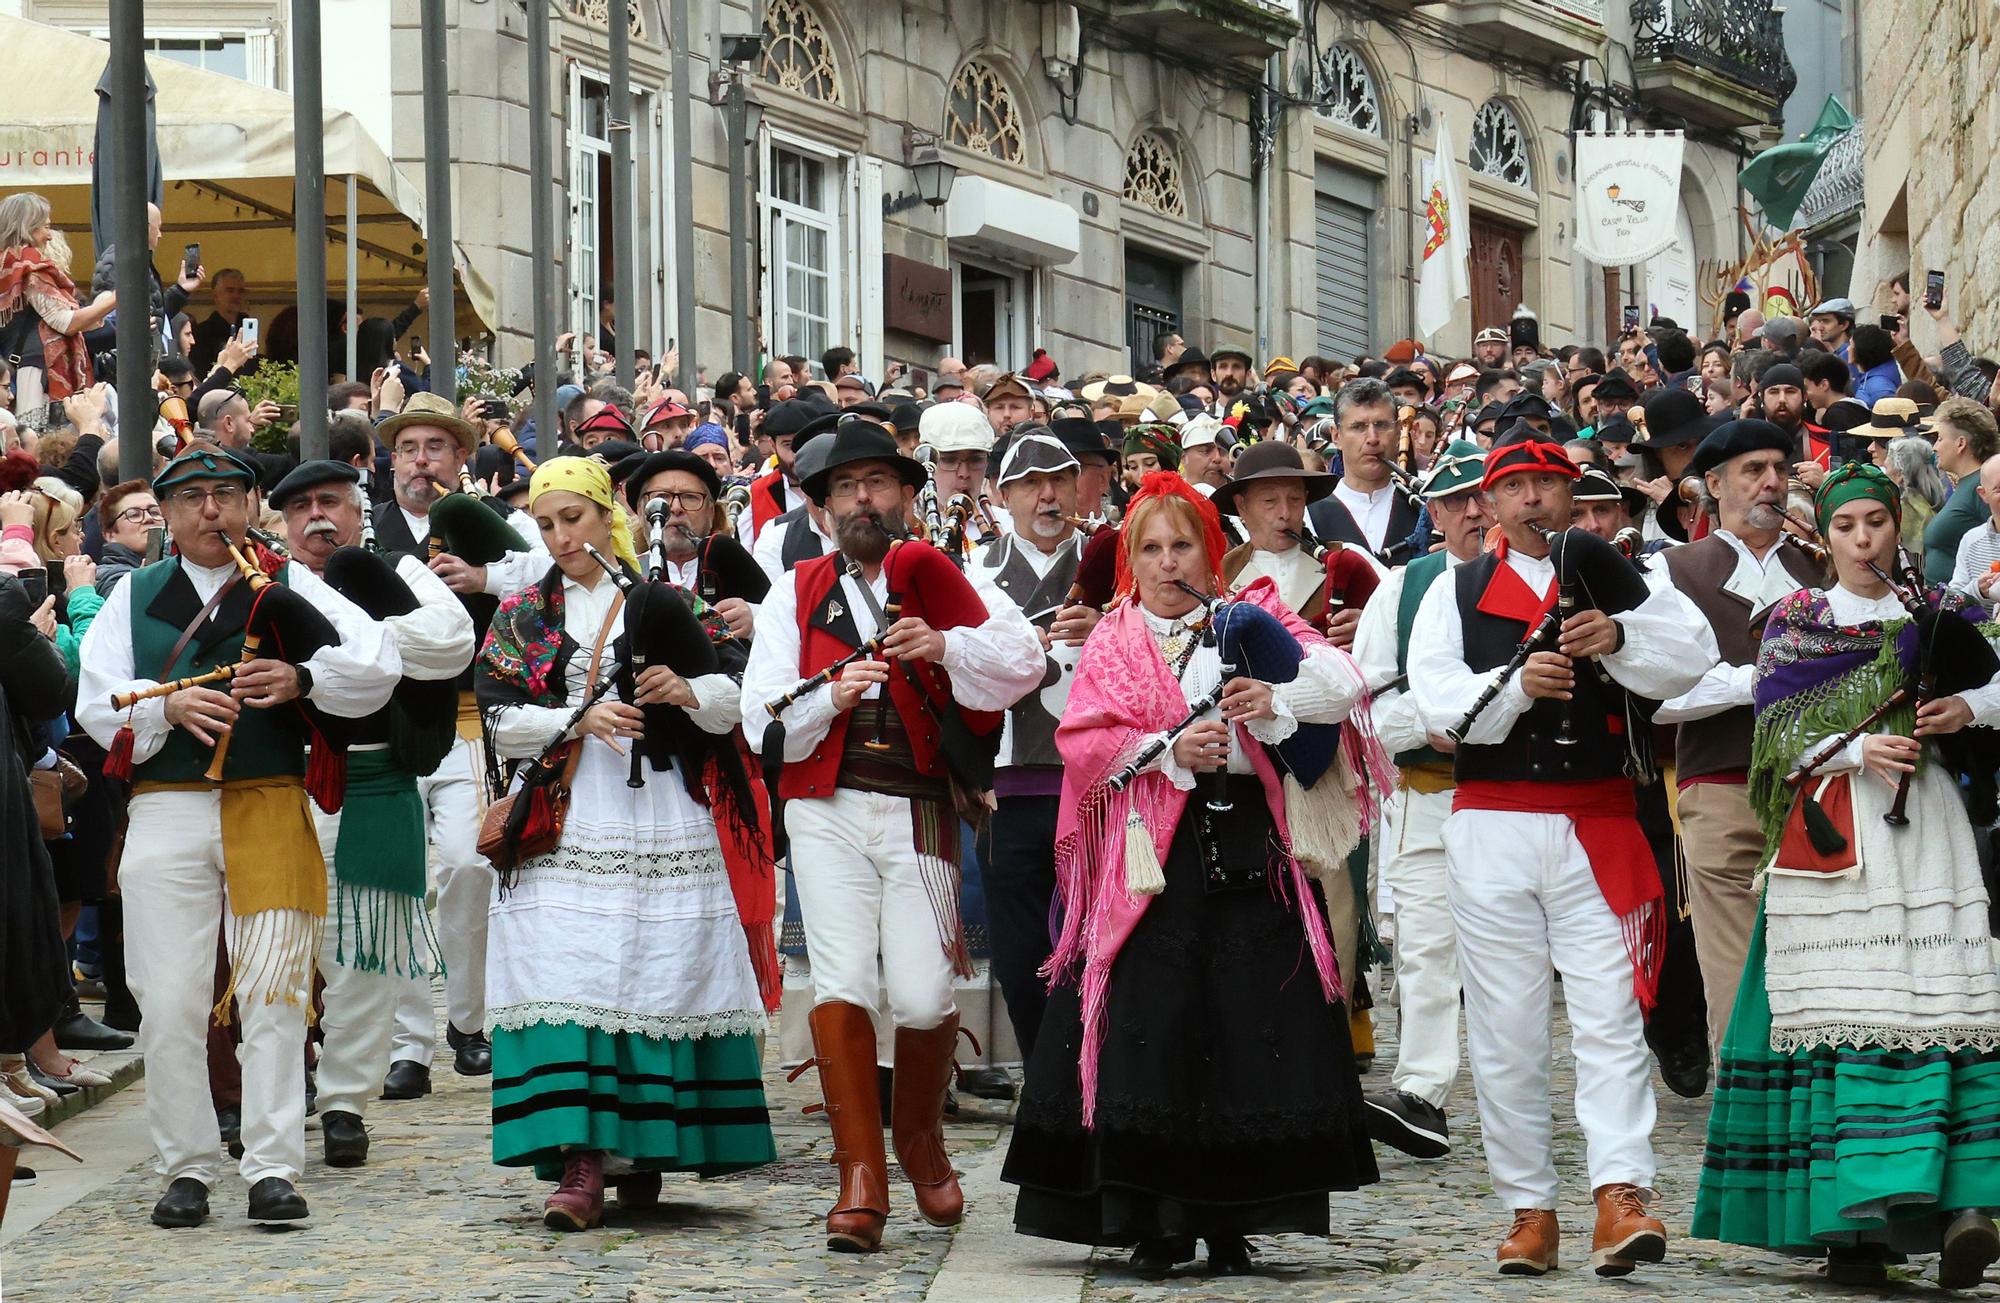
[(801, 543), (1530, 752), (1031, 722)]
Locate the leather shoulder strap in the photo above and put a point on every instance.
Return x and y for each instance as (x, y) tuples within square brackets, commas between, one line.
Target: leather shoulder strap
[(590, 679)]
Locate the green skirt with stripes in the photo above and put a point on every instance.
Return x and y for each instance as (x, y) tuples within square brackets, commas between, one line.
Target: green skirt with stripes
[(1843, 1145), (662, 1105)]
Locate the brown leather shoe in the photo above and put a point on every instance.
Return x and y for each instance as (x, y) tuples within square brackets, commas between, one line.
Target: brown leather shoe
[(578, 1203), (923, 1071), (1530, 1248), (844, 1052), (1626, 1234)]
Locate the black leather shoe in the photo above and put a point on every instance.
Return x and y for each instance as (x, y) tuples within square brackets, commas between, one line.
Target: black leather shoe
[(346, 1139), (1154, 1258), (230, 1122), (80, 1031), (472, 1052), (1684, 1068), (1229, 1255), (121, 1014), (273, 1199), (986, 1083), (56, 1084), (184, 1204), (407, 1079)]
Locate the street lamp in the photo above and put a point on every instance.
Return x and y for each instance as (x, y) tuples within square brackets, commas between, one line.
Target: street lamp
[(934, 174)]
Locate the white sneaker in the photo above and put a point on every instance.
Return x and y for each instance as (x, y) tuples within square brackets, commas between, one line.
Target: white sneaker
[(26, 1105)]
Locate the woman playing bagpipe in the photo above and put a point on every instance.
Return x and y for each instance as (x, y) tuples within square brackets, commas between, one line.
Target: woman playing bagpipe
[(1193, 1077), (617, 973), (1860, 1076)]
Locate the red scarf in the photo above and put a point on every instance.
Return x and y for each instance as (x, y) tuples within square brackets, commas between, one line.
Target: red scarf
[(65, 360)]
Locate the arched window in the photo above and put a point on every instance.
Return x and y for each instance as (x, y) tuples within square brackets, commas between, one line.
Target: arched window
[(1153, 175), (1499, 147), (979, 114), (598, 14), (797, 54), (1346, 91)]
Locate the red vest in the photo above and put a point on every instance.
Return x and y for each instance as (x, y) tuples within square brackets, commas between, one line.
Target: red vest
[(767, 499), (924, 580)]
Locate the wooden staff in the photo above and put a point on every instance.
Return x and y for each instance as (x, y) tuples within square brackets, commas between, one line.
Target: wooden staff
[(253, 644), (127, 700), (505, 441)]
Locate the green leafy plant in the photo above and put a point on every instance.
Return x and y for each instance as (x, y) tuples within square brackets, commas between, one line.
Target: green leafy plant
[(480, 378), (276, 382)]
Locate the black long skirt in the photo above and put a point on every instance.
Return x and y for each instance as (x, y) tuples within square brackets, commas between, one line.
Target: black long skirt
[(1227, 1101)]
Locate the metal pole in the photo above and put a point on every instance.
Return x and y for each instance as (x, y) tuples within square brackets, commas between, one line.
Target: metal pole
[(542, 228), (683, 183), (136, 409), (437, 202), (353, 280), (624, 279), (735, 114), (309, 226)]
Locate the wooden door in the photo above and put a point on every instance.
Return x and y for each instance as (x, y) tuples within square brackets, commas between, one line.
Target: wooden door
[(1496, 273)]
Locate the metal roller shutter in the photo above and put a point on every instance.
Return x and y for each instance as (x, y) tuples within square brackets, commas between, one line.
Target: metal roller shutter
[(1346, 282)]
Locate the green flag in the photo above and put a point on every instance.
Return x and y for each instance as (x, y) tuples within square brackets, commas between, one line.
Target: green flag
[(1779, 177)]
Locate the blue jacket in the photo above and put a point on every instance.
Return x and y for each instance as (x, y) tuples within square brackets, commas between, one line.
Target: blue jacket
[(1879, 382)]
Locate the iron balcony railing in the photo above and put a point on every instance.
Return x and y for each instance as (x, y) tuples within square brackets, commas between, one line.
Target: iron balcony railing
[(1743, 40)]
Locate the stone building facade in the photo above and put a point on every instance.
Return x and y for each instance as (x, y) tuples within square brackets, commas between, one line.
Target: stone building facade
[(1116, 162)]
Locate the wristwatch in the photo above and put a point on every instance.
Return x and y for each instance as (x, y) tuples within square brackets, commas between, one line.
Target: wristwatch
[(305, 682)]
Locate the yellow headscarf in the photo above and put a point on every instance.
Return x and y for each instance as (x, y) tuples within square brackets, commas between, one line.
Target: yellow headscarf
[(589, 478)]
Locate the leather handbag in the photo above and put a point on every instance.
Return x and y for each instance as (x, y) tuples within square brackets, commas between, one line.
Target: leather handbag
[(528, 821), (54, 789)]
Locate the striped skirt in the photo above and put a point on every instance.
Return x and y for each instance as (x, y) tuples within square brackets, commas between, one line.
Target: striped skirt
[(1843, 1145), (655, 1104)]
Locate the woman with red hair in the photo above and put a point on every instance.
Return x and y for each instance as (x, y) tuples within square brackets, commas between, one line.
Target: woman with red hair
[(1194, 1077)]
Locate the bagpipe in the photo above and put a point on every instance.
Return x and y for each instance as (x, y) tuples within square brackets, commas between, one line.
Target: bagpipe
[(1952, 657), (1348, 574), (474, 530), (423, 713)]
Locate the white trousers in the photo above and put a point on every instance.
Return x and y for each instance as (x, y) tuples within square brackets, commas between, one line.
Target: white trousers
[(454, 801), (1524, 900), (860, 897), (1426, 951), (358, 1009), (174, 902)]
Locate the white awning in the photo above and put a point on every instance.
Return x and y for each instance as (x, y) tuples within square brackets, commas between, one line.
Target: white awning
[(1016, 225), (226, 155)]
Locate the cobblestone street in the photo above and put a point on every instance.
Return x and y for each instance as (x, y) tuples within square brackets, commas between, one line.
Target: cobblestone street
[(430, 1218)]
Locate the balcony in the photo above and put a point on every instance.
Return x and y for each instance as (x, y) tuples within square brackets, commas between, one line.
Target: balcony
[(1836, 192), (1539, 30), (1720, 63), (1237, 31)]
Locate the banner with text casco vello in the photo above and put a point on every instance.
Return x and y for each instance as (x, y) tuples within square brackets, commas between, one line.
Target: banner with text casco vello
[(1628, 187)]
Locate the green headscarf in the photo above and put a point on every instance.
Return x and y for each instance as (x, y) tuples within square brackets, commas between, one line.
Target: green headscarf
[(1163, 441), (1852, 480)]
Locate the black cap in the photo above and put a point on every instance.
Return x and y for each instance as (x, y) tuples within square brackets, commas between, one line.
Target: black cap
[(905, 416), (1616, 386), (1084, 437), (308, 475), (789, 417), (1784, 373), (673, 459), (1524, 405)]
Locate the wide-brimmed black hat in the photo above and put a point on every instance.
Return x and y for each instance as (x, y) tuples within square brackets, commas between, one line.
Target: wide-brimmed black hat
[(859, 441), (1086, 438), (1270, 460), (1190, 357), (1673, 417)]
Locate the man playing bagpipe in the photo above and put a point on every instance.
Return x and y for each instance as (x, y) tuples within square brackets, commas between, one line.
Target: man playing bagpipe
[(676, 494), (1326, 584), (219, 813), (1545, 861), (1410, 1116), (870, 762), (374, 845)]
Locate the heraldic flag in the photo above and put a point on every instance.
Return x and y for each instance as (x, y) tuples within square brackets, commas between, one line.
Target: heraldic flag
[(1446, 241)]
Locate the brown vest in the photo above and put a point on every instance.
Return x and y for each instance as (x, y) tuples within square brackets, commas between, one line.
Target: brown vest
[(1721, 742), (1314, 611)]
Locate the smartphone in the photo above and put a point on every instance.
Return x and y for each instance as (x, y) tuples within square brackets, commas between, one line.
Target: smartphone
[(36, 580), (1892, 324), (494, 409), (1631, 316), (156, 543), (190, 259), (246, 330), (1933, 289)]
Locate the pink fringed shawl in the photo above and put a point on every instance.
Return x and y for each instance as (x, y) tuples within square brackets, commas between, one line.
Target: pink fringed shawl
[(1124, 691)]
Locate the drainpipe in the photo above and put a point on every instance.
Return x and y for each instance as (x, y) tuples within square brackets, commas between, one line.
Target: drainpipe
[(1263, 148)]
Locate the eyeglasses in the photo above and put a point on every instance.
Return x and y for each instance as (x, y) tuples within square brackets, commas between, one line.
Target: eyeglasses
[(178, 385), (138, 514), (430, 449), (693, 501), (874, 486), (226, 496)]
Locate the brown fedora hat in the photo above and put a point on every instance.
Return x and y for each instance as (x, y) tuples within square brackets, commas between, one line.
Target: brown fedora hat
[(1270, 460)]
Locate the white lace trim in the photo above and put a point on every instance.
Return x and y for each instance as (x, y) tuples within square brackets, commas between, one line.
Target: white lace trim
[(1831, 1034), (671, 1027)]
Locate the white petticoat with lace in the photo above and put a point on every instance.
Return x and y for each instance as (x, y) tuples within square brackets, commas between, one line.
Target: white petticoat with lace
[(629, 924)]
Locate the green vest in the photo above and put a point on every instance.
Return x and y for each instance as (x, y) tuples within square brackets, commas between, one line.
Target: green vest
[(267, 743), (1418, 576)]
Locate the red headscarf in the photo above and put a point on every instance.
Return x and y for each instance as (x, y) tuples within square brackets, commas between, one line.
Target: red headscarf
[(1170, 484)]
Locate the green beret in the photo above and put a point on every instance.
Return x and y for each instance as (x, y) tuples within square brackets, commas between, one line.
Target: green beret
[(204, 462)]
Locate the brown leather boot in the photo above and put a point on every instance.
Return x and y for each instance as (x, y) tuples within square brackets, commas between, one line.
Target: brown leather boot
[(844, 1051), (1626, 1234), (923, 1072), (1530, 1248)]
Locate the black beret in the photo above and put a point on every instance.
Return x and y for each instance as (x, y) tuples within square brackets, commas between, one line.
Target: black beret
[(905, 416), (308, 475), (789, 417), (1616, 386), (1732, 439), (673, 459)]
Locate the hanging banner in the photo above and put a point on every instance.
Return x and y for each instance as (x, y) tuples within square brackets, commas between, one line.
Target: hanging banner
[(1628, 187)]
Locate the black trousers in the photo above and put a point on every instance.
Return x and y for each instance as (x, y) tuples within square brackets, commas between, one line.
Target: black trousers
[(1017, 859)]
